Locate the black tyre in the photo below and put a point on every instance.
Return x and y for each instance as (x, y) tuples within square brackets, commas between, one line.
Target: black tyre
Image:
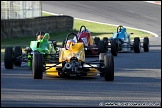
[(137, 45), (101, 59), (105, 39), (102, 47), (17, 53), (109, 67), (146, 44), (114, 48), (8, 58), (37, 65), (96, 40)]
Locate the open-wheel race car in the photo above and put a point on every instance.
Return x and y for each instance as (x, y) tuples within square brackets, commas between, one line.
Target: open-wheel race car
[(14, 56), (121, 42), (72, 62), (93, 46)]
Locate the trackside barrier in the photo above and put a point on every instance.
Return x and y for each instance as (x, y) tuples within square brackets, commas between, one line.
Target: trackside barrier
[(11, 28)]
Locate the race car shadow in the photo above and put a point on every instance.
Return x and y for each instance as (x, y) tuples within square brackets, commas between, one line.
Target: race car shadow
[(155, 45)]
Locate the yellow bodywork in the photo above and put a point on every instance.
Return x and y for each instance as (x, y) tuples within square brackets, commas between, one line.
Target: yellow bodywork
[(53, 72), (76, 50)]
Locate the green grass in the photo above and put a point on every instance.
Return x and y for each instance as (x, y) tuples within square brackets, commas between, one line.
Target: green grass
[(99, 30)]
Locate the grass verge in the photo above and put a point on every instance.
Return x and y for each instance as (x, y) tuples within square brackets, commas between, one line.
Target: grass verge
[(99, 30)]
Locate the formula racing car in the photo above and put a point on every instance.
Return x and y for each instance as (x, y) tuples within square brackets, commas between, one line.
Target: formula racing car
[(44, 46), (93, 46), (120, 42), (72, 62)]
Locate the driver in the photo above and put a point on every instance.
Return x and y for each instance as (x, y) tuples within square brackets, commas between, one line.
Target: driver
[(69, 43), (40, 35), (86, 30)]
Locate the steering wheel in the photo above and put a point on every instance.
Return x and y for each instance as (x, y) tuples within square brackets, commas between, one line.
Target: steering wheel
[(82, 27), (119, 28), (67, 38)]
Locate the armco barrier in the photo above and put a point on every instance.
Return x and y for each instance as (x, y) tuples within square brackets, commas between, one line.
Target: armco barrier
[(29, 27)]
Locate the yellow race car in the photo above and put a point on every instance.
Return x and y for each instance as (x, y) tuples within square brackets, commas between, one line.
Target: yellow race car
[(72, 62)]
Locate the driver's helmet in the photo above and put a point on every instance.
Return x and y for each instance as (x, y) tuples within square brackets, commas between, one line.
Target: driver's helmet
[(120, 29), (69, 43), (85, 30), (40, 35)]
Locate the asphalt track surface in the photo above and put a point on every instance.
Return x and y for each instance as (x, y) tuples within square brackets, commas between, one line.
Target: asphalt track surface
[(137, 76)]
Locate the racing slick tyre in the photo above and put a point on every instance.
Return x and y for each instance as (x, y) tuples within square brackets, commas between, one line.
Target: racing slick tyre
[(106, 40), (102, 47), (96, 40), (37, 65), (114, 47), (17, 53), (101, 59), (109, 67), (146, 44), (137, 45), (8, 58)]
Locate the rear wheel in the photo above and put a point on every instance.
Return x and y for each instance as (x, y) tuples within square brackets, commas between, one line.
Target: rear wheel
[(146, 44), (37, 65), (109, 68), (114, 48), (8, 58), (17, 53), (105, 39), (96, 40), (137, 45), (102, 47)]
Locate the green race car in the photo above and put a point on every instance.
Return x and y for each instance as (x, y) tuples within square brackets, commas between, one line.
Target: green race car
[(15, 56)]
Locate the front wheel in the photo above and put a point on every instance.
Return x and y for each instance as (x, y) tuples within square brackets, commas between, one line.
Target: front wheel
[(137, 45), (114, 47), (109, 67), (37, 65), (8, 58), (146, 44)]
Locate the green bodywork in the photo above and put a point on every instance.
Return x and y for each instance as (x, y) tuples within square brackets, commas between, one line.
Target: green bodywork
[(43, 46)]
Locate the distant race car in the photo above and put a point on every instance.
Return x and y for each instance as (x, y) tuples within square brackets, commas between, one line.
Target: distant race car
[(120, 42), (93, 46), (72, 62), (44, 46)]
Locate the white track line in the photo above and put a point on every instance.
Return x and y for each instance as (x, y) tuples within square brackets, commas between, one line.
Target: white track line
[(106, 23), (153, 2)]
